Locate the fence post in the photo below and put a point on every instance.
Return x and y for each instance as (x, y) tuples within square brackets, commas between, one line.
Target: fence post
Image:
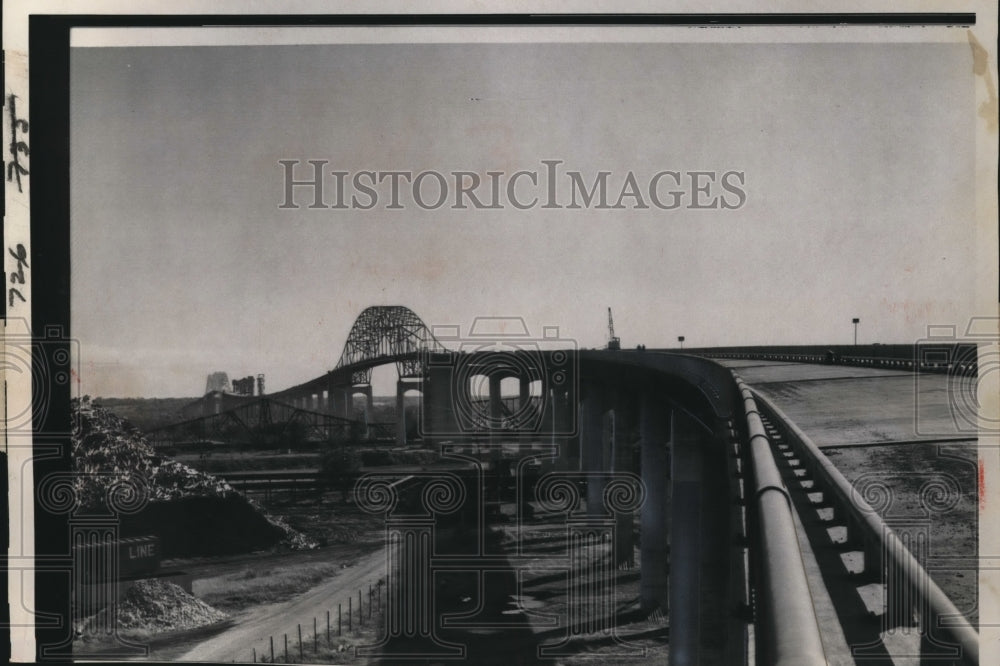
[(369, 601), (350, 612), (314, 635), (254, 655), (286, 647), (299, 627), (328, 628), (272, 649), (361, 610), (339, 621)]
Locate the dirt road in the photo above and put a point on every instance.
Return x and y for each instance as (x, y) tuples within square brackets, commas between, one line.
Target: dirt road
[(253, 629)]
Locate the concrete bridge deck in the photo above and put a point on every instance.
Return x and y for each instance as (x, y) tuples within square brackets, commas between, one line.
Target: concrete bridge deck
[(839, 405), (901, 440)]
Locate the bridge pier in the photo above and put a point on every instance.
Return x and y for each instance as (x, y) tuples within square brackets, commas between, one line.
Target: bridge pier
[(551, 414), (400, 413), (560, 418), (621, 461), (496, 401), (685, 543), (593, 459), (438, 408), (346, 403), (654, 425)]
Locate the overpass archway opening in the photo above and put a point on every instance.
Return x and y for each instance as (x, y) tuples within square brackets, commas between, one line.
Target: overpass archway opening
[(408, 409), (478, 387), (510, 387), (383, 380)]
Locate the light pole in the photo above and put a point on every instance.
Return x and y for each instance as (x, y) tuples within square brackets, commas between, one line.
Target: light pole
[(855, 322), (680, 339)]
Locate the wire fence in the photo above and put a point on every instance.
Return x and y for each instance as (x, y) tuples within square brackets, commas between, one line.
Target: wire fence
[(364, 611)]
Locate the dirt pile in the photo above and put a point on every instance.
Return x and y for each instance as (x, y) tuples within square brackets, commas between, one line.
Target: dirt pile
[(156, 606), (115, 467)]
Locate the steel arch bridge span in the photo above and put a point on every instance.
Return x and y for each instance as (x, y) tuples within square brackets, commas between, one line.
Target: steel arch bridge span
[(383, 332)]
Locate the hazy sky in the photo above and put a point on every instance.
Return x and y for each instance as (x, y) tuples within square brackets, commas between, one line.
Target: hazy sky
[(858, 167)]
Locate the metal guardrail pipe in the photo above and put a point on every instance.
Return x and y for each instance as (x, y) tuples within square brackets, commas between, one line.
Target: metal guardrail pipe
[(874, 531), (788, 629), (960, 366)]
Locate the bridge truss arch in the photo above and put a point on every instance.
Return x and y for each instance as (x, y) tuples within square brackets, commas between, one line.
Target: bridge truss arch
[(388, 332)]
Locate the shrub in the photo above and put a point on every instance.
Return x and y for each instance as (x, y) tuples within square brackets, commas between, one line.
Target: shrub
[(377, 457), (338, 466)]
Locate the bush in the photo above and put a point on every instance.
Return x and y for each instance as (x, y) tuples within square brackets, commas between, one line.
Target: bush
[(339, 460), (376, 458), (338, 466)]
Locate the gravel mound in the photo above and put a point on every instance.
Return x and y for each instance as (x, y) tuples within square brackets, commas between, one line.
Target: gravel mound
[(157, 606)]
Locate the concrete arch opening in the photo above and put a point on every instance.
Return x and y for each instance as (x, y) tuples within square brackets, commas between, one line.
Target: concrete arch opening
[(409, 404)]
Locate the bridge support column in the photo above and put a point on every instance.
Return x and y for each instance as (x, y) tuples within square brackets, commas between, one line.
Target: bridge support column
[(552, 421), (438, 406), (565, 406), (592, 448), (554, 409), (525, 418), (400, 413), (654, 426), (332, 399), (621, 461), (496, 402), (346, 403), (685, 543)]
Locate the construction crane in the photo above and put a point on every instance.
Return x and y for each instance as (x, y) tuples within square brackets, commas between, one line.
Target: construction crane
[(613, 342)]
